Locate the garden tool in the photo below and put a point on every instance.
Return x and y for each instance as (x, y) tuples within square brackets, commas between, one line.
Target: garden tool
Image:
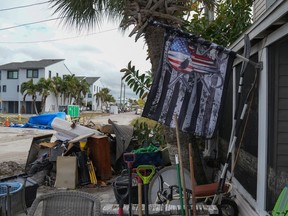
[(150, 171), (129, 158)]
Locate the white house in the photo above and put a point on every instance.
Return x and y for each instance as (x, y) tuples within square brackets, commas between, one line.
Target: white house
[(12, 75), (90, 97), (262, 166)]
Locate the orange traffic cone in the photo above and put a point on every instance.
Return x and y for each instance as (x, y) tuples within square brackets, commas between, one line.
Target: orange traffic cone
[(7, 122)]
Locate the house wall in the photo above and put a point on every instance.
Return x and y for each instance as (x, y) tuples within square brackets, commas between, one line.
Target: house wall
[(97, 105), (278, 104), (260, 6), (12, 100), (270, 28)]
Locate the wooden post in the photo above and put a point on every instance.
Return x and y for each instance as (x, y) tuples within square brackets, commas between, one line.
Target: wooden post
[(193, 182)]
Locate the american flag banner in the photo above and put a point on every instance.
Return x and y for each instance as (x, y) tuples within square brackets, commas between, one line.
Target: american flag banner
[(191, 83)]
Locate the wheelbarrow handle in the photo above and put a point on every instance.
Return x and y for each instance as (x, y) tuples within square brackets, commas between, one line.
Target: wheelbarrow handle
[(129, 158), (145, 178)]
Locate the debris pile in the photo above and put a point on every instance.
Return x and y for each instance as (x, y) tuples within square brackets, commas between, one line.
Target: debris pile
[(10, 168)]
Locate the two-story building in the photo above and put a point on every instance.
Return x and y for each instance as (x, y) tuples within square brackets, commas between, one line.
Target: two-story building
[(90, 98), (12, 75)]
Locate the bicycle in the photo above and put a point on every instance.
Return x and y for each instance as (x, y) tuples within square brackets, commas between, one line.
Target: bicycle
[(164, 189)]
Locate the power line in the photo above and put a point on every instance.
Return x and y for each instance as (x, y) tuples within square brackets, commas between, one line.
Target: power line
[(23, 6), (58, 39), (32, 23)]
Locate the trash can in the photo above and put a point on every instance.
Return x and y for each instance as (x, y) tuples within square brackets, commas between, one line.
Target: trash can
[(13, 203), (73, 111)]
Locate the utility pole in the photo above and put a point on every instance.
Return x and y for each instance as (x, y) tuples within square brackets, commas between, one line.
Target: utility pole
[(120, 103)]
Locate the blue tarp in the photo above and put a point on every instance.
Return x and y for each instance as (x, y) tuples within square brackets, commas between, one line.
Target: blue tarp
[(42, 121)]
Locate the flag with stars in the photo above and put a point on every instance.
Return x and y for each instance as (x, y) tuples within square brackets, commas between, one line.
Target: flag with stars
[(191, 83)]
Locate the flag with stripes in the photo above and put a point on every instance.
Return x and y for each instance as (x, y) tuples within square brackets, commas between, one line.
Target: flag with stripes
[(191, 82)]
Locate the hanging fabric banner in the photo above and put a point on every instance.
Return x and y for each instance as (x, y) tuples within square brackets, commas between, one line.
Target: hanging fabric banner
[(191, 82)]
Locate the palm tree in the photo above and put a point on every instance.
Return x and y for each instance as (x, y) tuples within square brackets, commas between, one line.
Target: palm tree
[(103, 96), (57, 89), (82, 88), (69, 87), (44, 87), (29, 88)]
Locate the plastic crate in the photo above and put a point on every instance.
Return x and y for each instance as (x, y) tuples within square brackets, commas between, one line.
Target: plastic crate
[(151, 158)]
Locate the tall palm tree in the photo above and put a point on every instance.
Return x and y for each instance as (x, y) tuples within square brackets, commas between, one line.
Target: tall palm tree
[(82, 88), (104, 97), (44, 87), (57, 89), (29, 88), (69, 87)]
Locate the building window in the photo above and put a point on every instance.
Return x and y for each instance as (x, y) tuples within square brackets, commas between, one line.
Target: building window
[(50, 74), (89, 95), (4, 88), (57, 75), (17, 88), (12, 75), (32, 73), (0, 75)]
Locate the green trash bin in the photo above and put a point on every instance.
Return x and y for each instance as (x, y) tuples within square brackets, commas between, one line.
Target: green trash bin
[(73, 111)]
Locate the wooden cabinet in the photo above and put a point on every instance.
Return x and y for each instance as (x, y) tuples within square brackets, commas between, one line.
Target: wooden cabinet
[(99, 153)]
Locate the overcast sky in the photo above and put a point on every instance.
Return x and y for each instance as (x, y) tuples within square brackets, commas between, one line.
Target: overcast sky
[(99, 52)]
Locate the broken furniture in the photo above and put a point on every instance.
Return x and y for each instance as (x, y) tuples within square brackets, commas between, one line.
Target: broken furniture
[(99, 149), (66, 203), (12, 198)]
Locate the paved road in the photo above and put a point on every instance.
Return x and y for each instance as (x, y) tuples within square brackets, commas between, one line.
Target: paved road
[(15, 142)]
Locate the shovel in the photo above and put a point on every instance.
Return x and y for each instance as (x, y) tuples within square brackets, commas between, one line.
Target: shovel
[(129, 158), (150, 171)]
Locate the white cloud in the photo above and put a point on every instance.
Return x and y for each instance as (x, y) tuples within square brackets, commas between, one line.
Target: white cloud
[(98, 52)]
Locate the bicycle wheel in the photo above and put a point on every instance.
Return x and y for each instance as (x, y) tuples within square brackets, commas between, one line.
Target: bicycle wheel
[(169, 177)]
